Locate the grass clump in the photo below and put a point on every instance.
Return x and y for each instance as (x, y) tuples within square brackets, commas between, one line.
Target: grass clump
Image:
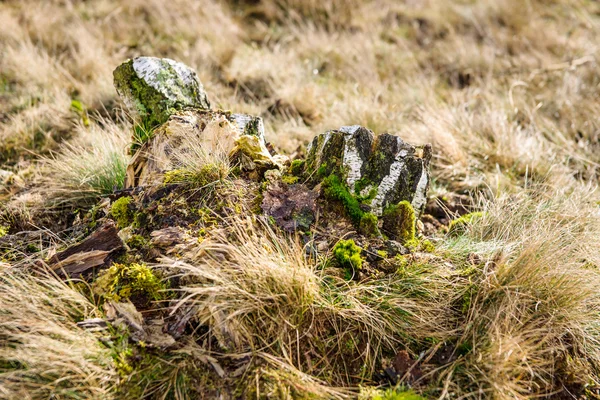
[(197, 165), (461, 224), (135, 281), (121, 211), (92, 166), (530, 321), (259, 295), (347, 254), (202, 176), (43, 353), (399, 222)]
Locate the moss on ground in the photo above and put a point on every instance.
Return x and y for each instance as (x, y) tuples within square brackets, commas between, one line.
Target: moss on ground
[(289, 179), (391, 394), (121, 211), (137, 242), (426, 246), (130, 281), (347, 254)]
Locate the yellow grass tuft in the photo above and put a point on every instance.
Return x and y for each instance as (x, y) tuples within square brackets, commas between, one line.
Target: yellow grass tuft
[(42, 351)]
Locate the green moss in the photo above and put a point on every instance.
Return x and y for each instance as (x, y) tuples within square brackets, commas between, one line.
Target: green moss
[(121, 361), (382, 253), (467, 298), (92, 216), (334, 189), (392, 394), (366, 199), (207, 217), (137, 242), (460, 225), (402, 263), (122, 212), (304, 219), (140, 220), (368, 225), (289, 179), (297, 167), (412, 244), (4, 230), (426, 246), (175, 176), (124, 281), (322, 170), (32, 248), (347, 254), (361, 184), (399, 222)]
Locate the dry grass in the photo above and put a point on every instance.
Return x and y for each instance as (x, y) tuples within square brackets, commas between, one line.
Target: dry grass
[(42, 351), (506, 91), (91, 166), (532, 318), (260, 295)]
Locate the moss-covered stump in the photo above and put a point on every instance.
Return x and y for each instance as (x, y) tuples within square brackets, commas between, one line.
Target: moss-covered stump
[(382, 170), (154, 88), (192, 138)]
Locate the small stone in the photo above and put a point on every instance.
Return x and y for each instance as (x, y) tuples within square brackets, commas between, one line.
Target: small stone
[(322, 246), (395, 248), (154, 88)]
